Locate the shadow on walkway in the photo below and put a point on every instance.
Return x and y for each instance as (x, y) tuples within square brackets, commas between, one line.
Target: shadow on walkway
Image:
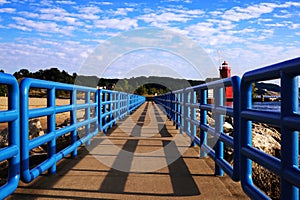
[(86, 178)]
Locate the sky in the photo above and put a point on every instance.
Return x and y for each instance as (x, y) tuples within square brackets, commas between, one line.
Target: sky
[(132, 38)]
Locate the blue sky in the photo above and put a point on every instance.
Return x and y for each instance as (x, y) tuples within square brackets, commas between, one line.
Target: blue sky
[(247, 34)]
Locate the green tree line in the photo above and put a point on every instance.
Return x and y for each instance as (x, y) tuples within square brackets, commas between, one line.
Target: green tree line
[(139, 85)]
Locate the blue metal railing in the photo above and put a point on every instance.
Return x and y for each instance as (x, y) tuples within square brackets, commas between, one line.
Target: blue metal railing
[(51, 111), (181, 107), (11, 153), (287, 168), (115, 105), (134, 101), (106, 107)]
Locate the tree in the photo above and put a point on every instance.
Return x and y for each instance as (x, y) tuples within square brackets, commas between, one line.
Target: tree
[(3, 90), (141, 90)]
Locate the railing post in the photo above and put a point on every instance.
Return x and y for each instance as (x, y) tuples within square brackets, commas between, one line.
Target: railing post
[(175, 110), (172, 107), (51, 121), (289, 138), (119, 105), (178, 115), (182, 129), (194, 117), (87, 117), (188, 113), (74, 120), (236, 86), (96, 110), (203, 121), (128, 104), (219, 121), (246, 136), (110, 108), (100, 108)]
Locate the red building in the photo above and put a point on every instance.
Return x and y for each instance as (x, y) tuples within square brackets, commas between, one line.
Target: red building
[(225, 72)]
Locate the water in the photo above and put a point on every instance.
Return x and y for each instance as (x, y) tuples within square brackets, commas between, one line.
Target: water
[(268, 106)]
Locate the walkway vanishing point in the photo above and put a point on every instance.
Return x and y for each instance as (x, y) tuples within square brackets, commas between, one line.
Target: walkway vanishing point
[(146, 130)]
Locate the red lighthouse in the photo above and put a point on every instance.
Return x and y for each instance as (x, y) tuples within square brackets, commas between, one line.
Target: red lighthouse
[(225, 72)]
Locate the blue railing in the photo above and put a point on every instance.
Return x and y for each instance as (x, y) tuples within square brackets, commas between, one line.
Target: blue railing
[(11, 153), (181, 107), (288, 119), (87, 107), (116, 105), (90, 123)]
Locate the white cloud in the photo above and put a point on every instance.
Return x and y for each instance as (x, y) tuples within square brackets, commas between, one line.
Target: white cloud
[(164, 18), (122, 11), (237, 13), (28, 25), (254, 11), (37, 53), (222, 24), (59, 15), (288, 4), (263, 20), (3, 2), (190, 12), (295, 26), (276, 25), (215, 13), (28, 14), (7, 10), (103, 3), (20, 27), (90, 10), (88, 13), (65, 2), (121, 24), (285, 16)]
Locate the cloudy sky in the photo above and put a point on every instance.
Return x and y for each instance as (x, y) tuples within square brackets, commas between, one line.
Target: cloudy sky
[(66, 33)]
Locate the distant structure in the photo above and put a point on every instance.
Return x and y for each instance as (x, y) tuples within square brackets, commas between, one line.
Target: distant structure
[(225, 72)]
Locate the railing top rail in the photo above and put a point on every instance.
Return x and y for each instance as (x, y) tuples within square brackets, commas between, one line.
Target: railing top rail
[(115, 91), (210, 85), (37, 83), (273, 71)]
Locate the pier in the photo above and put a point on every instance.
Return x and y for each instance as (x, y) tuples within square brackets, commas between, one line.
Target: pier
[(124, 147)]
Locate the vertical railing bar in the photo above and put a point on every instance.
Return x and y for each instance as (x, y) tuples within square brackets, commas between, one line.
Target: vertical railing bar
[(51, 120), (289, 138), (203, 121), (87, 117), (236, 84), (219, 147), (194, 117), (74, 120), (182, 119)]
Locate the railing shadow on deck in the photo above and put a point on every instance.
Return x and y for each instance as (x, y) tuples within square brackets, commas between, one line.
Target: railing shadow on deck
[(181, 178)]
